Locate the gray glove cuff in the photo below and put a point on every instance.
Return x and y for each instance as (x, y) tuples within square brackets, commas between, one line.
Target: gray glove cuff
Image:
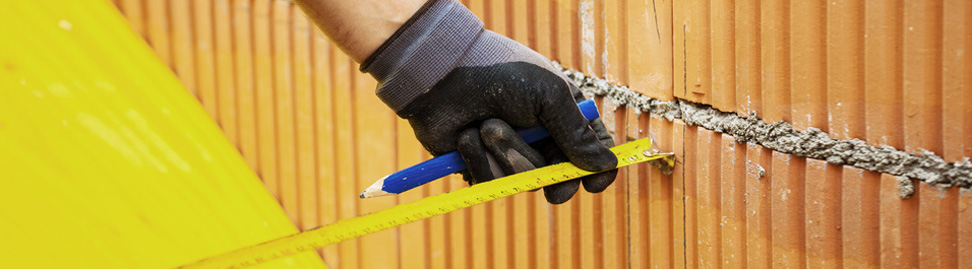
[(422, 51)]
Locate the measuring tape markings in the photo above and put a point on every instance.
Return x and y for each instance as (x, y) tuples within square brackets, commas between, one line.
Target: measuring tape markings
[(631, 153)]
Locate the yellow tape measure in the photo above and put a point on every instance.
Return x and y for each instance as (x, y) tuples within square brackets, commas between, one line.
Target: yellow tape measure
[(631, 153)]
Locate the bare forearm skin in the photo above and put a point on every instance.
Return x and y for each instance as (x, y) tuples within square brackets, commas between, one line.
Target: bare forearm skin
[(359, 27)]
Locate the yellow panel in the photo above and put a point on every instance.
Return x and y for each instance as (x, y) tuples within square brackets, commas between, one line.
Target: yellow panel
[(106, 160)]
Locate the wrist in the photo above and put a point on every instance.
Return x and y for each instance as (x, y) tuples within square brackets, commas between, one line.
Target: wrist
[(398, 32), (358, 27), (422, 51)]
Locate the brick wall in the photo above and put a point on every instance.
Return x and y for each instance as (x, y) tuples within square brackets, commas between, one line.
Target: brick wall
[(888, 72)]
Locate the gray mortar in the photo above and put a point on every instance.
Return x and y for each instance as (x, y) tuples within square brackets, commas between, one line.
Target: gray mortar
[(782, 137), (906, 187), (620, 95)]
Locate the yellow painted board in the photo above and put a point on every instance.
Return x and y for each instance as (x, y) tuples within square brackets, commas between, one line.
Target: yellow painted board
[(107, 161)]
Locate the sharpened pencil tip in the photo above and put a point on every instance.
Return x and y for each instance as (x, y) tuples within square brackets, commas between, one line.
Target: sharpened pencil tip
[(374, 190)]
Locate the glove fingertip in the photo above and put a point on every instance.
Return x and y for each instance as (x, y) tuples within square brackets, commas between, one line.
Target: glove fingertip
[(467, 177), (592, 157), (599, 182), (474, 154), (561, 192)]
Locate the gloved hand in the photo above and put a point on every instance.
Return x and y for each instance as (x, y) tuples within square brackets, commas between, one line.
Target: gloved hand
[(462, 87)]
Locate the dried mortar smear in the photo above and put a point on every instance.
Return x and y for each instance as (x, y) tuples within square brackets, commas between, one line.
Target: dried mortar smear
[(782, 137)]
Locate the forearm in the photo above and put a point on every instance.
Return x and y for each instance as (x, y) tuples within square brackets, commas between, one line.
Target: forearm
[(359, 27)]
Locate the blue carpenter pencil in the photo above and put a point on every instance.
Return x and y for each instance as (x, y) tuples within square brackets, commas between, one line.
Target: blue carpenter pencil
[(445, 164)]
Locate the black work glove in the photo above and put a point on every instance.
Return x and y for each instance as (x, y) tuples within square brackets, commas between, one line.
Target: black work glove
[(462, 87)]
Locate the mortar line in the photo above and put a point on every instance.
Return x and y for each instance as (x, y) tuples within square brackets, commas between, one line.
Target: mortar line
[(782, 137)]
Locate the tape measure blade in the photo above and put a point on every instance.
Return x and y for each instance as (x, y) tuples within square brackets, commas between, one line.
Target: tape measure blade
[(630, 153)]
